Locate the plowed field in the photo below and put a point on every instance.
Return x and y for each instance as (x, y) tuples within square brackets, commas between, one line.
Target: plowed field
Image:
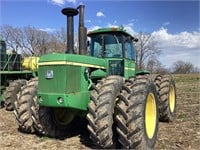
[(183, 133)]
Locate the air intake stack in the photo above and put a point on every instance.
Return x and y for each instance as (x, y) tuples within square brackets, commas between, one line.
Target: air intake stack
[(70, 13), (82, 30)]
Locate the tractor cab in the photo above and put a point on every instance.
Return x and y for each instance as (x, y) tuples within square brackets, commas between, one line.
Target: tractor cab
[(117, 47), (111, 43)]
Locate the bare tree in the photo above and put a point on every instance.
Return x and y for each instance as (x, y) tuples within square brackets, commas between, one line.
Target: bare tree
[(29, 41), (196, 70), (36, 41), (11, 36), (55, 45), (60, 38), (155, 66), (146, 48), (183, 67), (152, 65)]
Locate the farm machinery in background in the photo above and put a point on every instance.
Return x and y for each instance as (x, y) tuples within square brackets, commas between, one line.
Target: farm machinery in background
[(14, 73), (122, 105)]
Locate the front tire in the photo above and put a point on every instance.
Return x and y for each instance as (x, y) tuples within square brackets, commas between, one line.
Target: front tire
[(101, 111), (166, 90), (26, 106), (137, 118)]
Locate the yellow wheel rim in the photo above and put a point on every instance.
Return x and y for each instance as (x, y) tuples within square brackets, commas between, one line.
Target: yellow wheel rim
[(150, 115), (171, 98)]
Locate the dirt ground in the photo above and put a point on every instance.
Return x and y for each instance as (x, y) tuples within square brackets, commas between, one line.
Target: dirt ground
[(182, 134)]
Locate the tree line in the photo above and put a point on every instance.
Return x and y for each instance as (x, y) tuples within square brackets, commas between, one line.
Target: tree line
[(31, 41)]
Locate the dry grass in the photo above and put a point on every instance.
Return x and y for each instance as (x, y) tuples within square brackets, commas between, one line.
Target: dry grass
[(184, 132)]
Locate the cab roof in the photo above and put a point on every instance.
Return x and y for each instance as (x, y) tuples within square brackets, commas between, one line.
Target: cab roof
[(119, 30)]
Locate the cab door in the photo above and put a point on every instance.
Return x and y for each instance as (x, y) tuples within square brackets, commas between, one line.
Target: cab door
[(129, 59)]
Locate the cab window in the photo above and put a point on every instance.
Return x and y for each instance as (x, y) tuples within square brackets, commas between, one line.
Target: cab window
[(129, 49), (106, 45)]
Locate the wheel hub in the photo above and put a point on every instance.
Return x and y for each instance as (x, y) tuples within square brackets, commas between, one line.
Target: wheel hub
[(172, 98), (150, 115)]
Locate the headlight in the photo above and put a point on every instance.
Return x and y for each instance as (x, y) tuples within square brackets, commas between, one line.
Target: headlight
[(60, 100)]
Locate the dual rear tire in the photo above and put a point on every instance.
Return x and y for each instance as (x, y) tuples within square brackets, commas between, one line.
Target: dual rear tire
[(10, 95), (127, 110), (137, 119), (166, 91), (101, 111)]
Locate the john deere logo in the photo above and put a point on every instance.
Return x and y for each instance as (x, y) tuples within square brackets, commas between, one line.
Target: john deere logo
[(49, 74)]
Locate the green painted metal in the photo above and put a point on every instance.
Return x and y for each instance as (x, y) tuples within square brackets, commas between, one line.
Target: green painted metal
[(119, 30), (78, 60), (77, 100), (16, 72), (65, 79), (99, 73), (72, 86), (69, 80), (129, 68), (142, 72)]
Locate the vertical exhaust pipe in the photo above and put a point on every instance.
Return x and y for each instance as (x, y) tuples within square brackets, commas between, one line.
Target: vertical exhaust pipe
[(70, 13), (82, 31)]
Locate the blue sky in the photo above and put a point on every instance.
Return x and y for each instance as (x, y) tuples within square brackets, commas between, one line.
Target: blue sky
[(175, 24)]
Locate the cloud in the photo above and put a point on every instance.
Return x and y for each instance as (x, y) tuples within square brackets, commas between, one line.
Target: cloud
[(100, 14), (51, 30), (71, 1), (128, 27), (189, 40), (93, 28), (58, 2), (115, 22), (181, 46), (131, 20), (88, 21), (62, 2), (166, 23), (110, 25)]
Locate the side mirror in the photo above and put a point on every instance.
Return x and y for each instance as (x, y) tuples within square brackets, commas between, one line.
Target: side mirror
[(135, 39), (88, 43)]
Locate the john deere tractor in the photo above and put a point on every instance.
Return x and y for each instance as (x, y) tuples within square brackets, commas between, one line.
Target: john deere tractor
[(122, 104)]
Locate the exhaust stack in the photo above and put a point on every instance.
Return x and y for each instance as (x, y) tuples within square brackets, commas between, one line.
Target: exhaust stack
[(70, 13), (82, 31)]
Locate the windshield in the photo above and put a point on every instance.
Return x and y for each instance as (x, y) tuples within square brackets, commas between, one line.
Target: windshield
[(107, 45)]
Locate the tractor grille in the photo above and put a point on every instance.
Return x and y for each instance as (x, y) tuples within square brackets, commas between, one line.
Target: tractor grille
[(65, 79)]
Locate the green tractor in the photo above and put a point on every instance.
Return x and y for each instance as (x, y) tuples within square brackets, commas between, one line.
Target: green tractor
[(122, 104), (14, 73)]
